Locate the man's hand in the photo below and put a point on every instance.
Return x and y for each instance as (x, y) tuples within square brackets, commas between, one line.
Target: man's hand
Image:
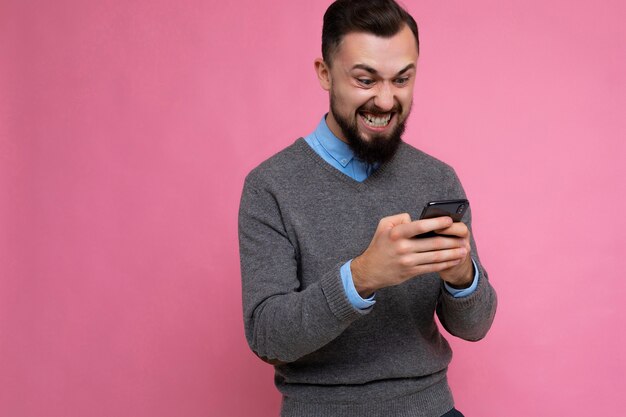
[(394, 255)]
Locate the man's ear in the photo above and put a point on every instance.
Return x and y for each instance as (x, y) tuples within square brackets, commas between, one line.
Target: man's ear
[(323, 73)]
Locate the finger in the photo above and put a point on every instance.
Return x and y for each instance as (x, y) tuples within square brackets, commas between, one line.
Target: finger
[(433, 244), (456, 229), (435, 257), (389, 222), (417, 227), (436, 267)]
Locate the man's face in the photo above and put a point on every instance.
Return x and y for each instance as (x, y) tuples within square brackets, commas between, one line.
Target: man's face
[(371, 90)]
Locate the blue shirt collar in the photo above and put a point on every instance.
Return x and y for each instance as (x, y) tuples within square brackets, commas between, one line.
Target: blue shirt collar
[(335, 147)]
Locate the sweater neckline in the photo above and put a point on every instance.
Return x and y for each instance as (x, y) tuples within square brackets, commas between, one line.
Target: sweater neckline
[(373, 178)]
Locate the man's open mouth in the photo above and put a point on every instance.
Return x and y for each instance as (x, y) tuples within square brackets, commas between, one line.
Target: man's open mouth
[(374, 120)]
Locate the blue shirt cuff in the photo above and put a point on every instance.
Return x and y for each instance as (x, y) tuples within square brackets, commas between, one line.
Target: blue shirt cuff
[(348, 285), (456, 293)]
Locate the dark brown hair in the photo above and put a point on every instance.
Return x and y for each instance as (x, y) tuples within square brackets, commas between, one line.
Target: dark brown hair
[(383, 18)]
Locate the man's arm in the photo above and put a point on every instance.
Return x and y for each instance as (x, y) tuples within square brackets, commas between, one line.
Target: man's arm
[(470, 317), (283, 321)]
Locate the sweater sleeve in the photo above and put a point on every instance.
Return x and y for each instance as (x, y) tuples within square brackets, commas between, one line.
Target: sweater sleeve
[(284, 321), (469, 317)]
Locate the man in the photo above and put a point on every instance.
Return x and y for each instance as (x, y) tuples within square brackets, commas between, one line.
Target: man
[(338, 294)]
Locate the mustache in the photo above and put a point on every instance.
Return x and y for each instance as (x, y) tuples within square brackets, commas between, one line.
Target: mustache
[(374, 109)]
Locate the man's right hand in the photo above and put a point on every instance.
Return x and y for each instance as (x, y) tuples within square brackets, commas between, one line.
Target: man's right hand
[(394, 255)]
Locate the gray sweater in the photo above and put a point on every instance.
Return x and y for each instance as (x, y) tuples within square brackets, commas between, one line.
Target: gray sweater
[(300, 219)]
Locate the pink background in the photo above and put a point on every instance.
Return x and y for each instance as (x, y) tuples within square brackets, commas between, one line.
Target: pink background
[(126, 130)]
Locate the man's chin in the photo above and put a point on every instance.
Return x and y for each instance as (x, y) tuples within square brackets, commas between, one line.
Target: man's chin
[(375, 149), (378, 138)]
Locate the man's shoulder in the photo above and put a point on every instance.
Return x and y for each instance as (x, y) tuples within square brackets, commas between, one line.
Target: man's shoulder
[(283, 163), (410, 156), (426, 175)]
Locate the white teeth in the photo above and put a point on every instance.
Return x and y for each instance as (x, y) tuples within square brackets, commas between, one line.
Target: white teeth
[(376, 121)]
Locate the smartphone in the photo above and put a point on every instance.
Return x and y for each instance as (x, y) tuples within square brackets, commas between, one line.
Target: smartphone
[(451, 208)]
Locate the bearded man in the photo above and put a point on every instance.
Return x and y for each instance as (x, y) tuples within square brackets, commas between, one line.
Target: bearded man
[(338, 293)]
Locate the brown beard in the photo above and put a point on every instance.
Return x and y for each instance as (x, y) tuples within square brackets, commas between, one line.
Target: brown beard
[(379, 149)]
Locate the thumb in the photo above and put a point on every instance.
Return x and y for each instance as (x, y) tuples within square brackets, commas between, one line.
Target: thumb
[(388, 223)]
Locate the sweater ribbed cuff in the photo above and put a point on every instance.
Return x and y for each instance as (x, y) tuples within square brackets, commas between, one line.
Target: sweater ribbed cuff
[(338, 301), (476, 297)]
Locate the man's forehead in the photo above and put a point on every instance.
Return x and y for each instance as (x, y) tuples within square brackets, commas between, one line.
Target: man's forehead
[(361, 50)]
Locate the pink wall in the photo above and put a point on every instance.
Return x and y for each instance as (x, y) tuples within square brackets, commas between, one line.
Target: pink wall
[(127, 127)]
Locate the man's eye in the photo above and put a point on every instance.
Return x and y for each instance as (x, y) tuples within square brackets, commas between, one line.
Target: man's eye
[(402, 81), (365, 81)]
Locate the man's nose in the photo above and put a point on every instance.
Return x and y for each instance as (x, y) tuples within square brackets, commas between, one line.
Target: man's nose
[(384, 99)]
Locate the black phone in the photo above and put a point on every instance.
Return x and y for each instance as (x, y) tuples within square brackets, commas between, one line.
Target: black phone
[(451, 208)]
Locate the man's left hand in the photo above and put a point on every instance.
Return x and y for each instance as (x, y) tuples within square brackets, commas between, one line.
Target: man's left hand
[(460, 275)]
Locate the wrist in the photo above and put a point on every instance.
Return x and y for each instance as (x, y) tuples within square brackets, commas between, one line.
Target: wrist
[(458, 286), (463, 278), (358, 279)]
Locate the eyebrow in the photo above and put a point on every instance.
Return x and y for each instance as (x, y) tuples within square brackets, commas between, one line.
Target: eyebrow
[(374, 72)]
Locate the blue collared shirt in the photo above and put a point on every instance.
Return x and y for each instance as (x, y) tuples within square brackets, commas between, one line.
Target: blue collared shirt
[(339, 154)]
